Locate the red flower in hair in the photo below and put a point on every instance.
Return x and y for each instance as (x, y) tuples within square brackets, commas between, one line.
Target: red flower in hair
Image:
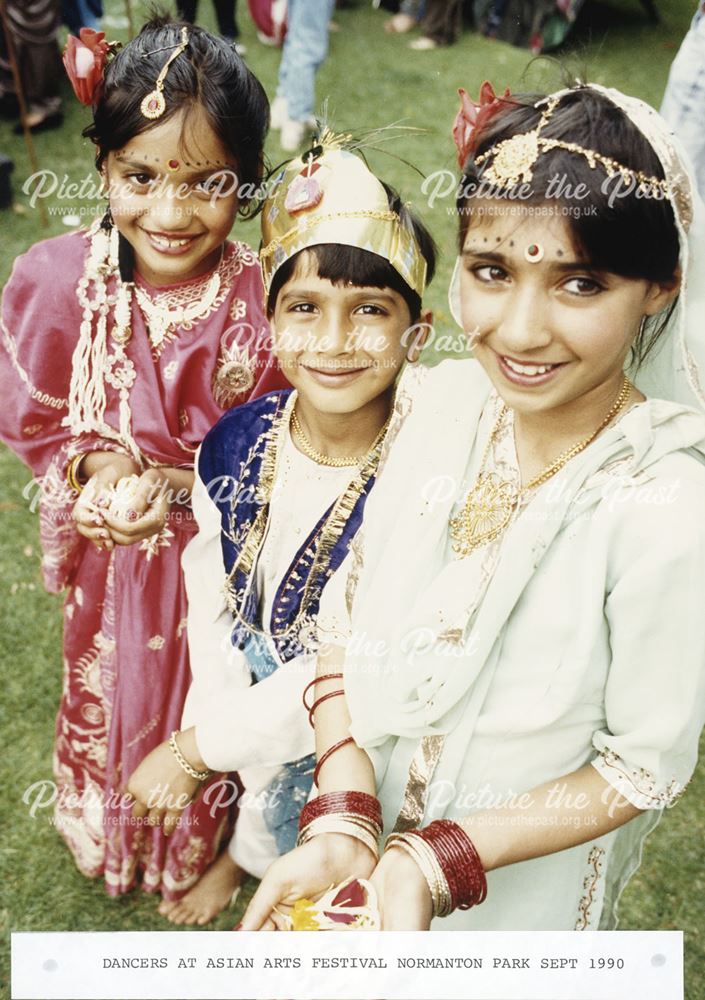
[(472, 118), (84, 59)]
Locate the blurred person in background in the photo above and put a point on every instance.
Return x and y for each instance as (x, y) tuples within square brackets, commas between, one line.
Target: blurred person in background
[(410, 14), (225, 12), (684, 100), (77, 14), (32, 25), (305, 48), (442, 25)]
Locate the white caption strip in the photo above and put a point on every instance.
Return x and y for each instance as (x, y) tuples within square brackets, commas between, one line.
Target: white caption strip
[(348, 966)]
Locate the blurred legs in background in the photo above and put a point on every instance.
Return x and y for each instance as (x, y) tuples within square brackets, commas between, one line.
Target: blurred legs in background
[(683, 104), (33, 25), (305, 48)]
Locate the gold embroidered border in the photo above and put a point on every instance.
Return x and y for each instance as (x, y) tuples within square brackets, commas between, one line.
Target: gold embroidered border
[(421, 770)]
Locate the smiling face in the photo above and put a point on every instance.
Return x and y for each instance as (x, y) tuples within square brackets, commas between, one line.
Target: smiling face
[(174, 202), (550, 329), (340, 346)]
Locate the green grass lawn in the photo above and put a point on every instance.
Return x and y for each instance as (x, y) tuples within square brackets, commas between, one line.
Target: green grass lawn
[(370, 79)]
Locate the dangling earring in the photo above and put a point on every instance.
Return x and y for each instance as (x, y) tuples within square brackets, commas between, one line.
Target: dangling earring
[(107, 223)]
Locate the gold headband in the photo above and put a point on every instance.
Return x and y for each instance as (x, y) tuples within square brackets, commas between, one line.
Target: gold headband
[(154, 105), (330, 196), (513, 159)]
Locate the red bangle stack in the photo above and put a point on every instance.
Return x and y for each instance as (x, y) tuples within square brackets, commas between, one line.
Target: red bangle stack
[(459, 862), (355, 814), (449, 863), (359, 803)]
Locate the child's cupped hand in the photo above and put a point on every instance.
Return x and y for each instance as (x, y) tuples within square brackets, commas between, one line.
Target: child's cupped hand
[(147, 511), (88, 511), (307, 872), (106, 523)]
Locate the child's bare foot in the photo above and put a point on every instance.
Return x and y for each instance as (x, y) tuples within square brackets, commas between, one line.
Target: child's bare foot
[(211, 894)]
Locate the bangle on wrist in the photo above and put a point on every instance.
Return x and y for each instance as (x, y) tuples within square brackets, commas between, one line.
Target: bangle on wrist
[(72, 480), (355, 803), (354, 814), (329, 753), (317, 680), (448, 861), (319, 701), (183, 763)]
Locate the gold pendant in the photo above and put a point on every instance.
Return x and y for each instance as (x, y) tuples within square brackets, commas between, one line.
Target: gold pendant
[(485, 514), (153, 105)]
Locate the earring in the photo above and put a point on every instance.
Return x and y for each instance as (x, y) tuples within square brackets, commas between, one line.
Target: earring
[(107, 223)]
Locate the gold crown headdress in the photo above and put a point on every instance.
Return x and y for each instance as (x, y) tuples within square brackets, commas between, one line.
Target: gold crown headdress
[(154, 105), (511, 161), (329, 195)]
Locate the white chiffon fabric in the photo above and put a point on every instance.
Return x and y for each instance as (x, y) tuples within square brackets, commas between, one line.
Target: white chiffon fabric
[(578, 638), (251, 728)]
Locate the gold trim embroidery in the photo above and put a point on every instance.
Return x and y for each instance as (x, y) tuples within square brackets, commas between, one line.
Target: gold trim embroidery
[(237, 257), (590, 886), (421, 770), (321, 548)]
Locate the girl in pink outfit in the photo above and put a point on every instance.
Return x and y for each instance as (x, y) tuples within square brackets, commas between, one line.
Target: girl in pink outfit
[(122, 345)]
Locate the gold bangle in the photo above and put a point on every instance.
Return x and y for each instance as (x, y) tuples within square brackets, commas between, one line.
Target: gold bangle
[(183, 763), (72, 479), (430, 868), (334, 823)]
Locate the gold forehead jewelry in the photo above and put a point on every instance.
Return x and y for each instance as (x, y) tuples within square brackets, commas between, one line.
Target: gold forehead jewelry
[(512, 160), (153, 105)]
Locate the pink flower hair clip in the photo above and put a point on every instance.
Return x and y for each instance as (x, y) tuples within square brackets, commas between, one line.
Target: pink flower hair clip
[(85, 58), (472, 118)]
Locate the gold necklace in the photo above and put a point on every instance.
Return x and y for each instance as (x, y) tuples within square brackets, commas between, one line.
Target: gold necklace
[(319, 458), (320, 549), (489, 505)]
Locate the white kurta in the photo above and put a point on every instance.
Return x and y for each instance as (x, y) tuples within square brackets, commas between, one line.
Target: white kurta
[(240, 726), (581, 639)]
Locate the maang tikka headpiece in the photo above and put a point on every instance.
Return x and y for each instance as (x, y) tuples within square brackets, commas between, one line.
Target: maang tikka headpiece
[(154, 105), (511, 161)]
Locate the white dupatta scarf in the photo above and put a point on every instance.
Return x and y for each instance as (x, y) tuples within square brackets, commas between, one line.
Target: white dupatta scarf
[(425, 625)]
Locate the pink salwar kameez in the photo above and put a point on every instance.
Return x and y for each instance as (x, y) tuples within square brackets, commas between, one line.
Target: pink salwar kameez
[(126, 668)]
